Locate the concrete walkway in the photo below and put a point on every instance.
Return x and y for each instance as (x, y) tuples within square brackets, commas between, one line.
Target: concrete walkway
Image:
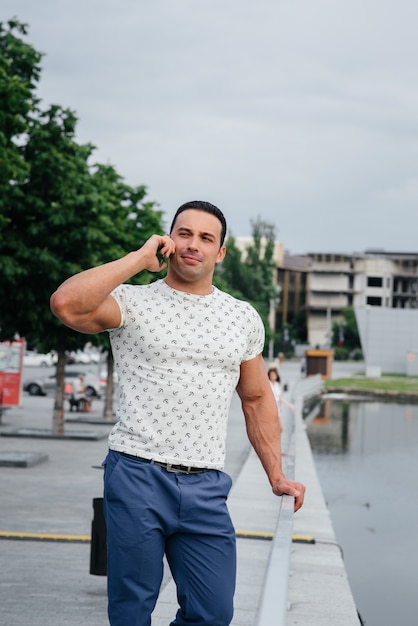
[(47, 582)]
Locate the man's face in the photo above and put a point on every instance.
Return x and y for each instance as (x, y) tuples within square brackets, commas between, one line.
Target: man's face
[(197, 237)]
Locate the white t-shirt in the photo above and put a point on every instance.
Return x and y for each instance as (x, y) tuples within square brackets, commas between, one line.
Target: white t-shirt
[(178, 356), (277, 390)]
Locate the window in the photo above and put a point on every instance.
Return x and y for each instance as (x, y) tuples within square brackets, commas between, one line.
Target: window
[(374, 281), (374, 301)]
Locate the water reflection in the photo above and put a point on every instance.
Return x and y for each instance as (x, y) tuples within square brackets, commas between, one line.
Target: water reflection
[(366, 456), (361, 427), (329, 429)]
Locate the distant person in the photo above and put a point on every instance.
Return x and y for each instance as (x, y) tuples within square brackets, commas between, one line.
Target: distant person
[(181, 347), (275, 382), (80, 394)]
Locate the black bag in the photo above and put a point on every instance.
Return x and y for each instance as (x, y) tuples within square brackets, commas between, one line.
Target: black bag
[(98, 549)]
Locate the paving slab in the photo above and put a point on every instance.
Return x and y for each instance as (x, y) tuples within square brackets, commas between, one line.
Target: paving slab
[(11, 458), (96, 421), (39, 433)]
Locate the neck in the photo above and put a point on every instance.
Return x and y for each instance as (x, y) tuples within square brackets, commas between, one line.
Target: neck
[(198, 289)]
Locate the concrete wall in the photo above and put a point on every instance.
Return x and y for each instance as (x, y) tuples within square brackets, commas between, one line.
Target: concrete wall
[(328, 282), (387, 337), (324, 301)]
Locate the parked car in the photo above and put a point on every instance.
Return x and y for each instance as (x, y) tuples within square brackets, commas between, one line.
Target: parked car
[(94, 356), (81, 357), (36, 359), (85, 357), (42, 385)]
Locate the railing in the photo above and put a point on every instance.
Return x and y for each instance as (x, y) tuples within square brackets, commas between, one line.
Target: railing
[(273, 607)]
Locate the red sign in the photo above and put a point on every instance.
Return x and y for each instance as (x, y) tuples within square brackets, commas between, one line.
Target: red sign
[(11, 362)]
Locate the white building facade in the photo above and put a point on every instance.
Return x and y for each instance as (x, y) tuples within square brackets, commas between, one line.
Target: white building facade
[(323, 284), (375, 279)]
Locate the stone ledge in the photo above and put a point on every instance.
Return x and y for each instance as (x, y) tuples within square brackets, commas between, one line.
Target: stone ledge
[(39, 433), (21, 459), (388, 394)]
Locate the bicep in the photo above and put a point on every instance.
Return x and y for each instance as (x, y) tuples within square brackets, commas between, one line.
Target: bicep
[(105, 316), (259, 405), (253, 381), (108, 316)]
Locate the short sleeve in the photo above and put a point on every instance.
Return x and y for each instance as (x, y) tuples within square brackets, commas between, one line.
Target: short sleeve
[(255, 334), (119, 294)]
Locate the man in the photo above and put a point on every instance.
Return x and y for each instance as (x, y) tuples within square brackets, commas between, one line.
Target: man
[(181, 347), (80, 394)]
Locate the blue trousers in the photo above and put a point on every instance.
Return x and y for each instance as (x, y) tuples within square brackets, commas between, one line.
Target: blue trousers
[(151, 512)]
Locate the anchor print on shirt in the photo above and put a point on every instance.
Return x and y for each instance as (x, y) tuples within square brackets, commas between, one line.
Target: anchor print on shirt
[(178, 360)]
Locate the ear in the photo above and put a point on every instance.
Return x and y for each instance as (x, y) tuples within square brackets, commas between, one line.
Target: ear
[(221, 254)]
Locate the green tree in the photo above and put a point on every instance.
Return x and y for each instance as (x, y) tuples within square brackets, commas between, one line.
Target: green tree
[(299, 327), (19, 74), (250, 275), (45, 238), (345, 335), (230, 274)]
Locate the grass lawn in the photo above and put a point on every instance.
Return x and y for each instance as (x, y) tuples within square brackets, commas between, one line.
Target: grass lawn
[(386, 382)]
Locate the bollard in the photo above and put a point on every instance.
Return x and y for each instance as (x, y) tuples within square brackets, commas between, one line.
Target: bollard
[(98, 548)]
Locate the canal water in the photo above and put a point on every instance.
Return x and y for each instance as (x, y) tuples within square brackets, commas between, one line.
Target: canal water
[(366, 454)]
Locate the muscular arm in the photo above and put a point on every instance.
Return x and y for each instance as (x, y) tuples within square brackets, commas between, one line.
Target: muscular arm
[(263, 427), (83, 302)]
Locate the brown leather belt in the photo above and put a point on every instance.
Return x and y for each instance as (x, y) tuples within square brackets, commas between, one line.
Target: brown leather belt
[(169, 467)]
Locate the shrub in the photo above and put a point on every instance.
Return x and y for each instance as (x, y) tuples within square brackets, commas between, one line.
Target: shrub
[(341, 353)]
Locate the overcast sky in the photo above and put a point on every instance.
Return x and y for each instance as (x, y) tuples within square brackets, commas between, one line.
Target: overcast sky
[(302, 112)]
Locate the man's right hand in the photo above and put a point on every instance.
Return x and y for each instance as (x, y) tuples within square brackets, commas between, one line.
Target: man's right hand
[(156, 245)]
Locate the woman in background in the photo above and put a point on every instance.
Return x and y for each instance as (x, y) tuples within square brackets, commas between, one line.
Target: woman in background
[(276, 387)]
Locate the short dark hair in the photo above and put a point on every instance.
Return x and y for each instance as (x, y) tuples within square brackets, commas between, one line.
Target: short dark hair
[(201, 205)]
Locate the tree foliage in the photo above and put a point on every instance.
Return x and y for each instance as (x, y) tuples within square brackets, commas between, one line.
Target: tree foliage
[(249, 275), (19, 74), (65, 215)]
